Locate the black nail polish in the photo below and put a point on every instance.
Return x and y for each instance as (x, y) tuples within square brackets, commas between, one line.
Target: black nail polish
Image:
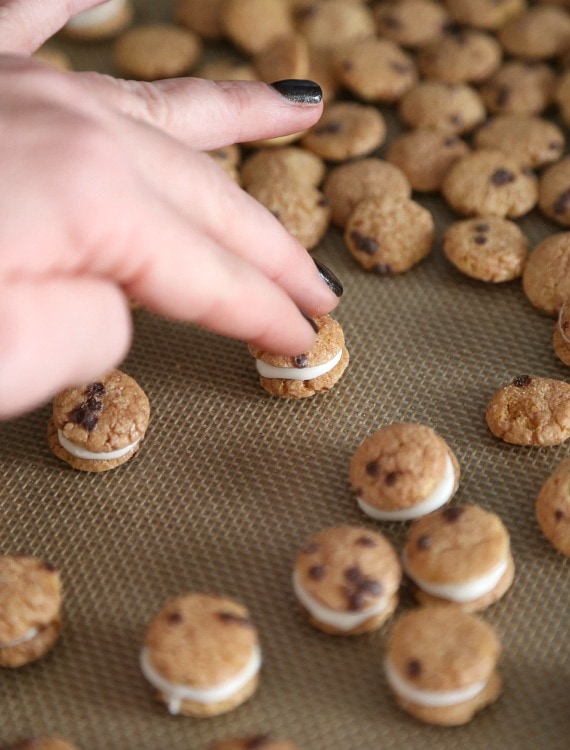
[(332, 281), (309, 320), (299, 91)]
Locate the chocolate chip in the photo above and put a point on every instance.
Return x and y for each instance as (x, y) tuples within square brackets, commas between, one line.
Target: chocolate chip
[(482, 227), (559, 515), (301, 361), (456, 119), (365, 541), (78, 415), (95, 389), (347, 65), (424, 542), (555, 146), (174, 618), (93, 404), (50, 567), (502, 96), (502, 176), (400, 67), (329, 128), (384, 269), (521, 381), (317, 572), (323, 202), (365, 244), (391, 478), (480, 239), (372, 468), (453, 140), (254, 743), (390, 22), (355, 600), (353, 574), (453, 514), (233, 618), (310, 548), (562, 203), (370, 586), (414, 668), (90, 421)]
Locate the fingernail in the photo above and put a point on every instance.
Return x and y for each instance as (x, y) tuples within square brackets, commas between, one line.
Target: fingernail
[(311, 322), (332, 281), (299, 91)]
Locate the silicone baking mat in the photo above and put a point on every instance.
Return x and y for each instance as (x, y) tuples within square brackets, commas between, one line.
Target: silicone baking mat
[(229, 483)]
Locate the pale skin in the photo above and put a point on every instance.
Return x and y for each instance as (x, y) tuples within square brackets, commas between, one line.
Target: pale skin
[(107, 196)]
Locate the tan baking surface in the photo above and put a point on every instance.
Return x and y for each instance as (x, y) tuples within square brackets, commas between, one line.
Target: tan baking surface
[(230, 481)]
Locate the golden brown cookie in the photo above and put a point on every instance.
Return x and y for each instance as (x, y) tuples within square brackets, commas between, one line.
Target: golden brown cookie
[(311, 372), (275, 163), (519, 87), (561, 334), (100, 22), (334, 23), (546, 278), (346, 130), (156, 50), (254, 742), (531, 411), (530, 139), (347, 579), (562, 96), (463, 56), (252, 24), (484, 14), (41, 743), (411, 23), (101, 425), (286, 57), (432, 104), (201, 653), (201, 16), (553, 508), (30, 609), (538, 33), (554, 192), (441, 664)]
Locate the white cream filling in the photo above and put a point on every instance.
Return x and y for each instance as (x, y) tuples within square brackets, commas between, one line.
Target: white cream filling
[(79, 452), (94, 16), (430, 698), (297, 373), (28, 636), (339, 620), (438, 497), (175, 693), (564, 336), (460, 592)]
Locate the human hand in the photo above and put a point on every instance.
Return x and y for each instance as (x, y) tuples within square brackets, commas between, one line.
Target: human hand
[(108, 196)]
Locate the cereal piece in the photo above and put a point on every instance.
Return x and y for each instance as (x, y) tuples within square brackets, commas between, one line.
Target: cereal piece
[(101, 22), (334, 23), (311, 372), (201, 652), (553, 508), (346, 130), (30, 609), (403, 471), (441, 665), (531, 411), (156, 50), (546, 278), (376, 70), (460, 555), (530, 139), (227, 69), (346, 579), (432, 104), (55, 57), (228, 157), (253, 24), (487, 248), (425, 156), (302, 209), (41, 743), (537, 34), (484, 14), (411, 23), (561, 334), (291, 162), (201, 16), (389, 236), (519, 87), (490, 183), (254, 742), (284, 58), (554, 192), (99, 426), (464, 56)]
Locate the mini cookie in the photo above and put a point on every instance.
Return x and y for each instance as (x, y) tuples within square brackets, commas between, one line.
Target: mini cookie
[(348, 184), (484, 14), (403, 471), (489, 182), (488, 248), (254, 742), (531, 411), (201, 16), (464, 56), (529, 139), (441, 665), (30, 609), (201, 652), (546, 278), (334, 23), (425, 156), (389, 236), (553, 508), (346, 130), (519, 87), (459, 555), (41, 743), (554, 192), (561, 334), (431, 104), (156, 50), (55, 57), (101, 425), (252, 24), (347, 579), (538, 33), (411, 23), (291, 162), (284, 58), (314, 371), (228, 157), (101, 22)]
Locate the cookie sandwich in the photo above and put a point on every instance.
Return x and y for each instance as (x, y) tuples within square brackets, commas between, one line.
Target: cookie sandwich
[(403, 471), (201, 652), (101, 22), (346, 579), (553, 508)]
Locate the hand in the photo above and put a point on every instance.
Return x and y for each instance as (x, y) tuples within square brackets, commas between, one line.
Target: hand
[(107, 196)]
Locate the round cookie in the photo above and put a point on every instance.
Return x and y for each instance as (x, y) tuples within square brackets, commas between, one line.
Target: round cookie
[(156, 50), (30, 609), (531, 411), (432, 104), (311, 372), (201, 652), (459, 555), (253, 24), (484, 14), (411, 23), (489, 182), (347, 579), (99, 426), (425, 156), (291, 162), (519, 87), (489, 248), (530, 139), (441, 664), (254, 742), (228, 157), (201, 16), (561, 334), (389, 236), (334, 23), (546, 278), (554, 192), (346, 130), (284, 58), (41, 743), (538, 33), (348, 184), (553, 508), (100, 22), (402, 472), (463, 56)]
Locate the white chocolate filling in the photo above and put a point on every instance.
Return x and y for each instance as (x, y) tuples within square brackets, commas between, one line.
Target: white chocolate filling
[(28, 636), (564, 336), (430, 698), (297, 373), (441, 494), (340, 620), (174, 693), (97, 15), (80, 452), (461, 592)]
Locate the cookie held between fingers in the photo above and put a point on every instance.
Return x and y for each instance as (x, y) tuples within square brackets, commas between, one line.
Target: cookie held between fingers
[(100, 22), (553, 508)]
